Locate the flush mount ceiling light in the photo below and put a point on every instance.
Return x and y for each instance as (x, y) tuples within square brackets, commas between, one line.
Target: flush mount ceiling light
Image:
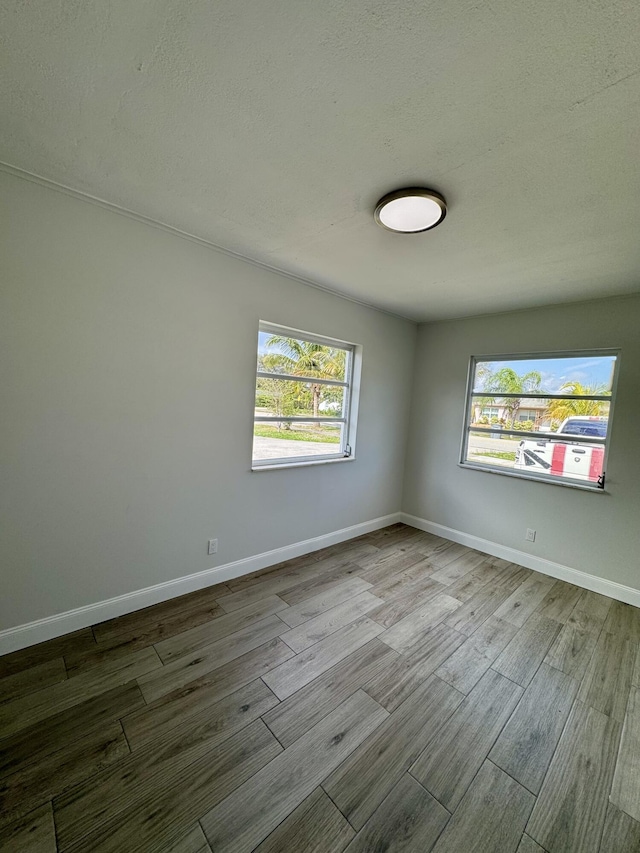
[(411, 210)]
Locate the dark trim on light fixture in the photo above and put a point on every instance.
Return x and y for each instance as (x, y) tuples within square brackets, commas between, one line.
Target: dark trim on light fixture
[(409, 192)]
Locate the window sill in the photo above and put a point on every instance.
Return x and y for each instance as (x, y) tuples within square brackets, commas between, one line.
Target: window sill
[(306, 464), (583, 487)]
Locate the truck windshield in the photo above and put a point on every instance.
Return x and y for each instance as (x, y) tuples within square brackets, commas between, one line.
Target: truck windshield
[(594, 428)]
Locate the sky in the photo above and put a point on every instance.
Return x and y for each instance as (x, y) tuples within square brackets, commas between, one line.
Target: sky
[(263, 348), (263, 337), (555, 372)]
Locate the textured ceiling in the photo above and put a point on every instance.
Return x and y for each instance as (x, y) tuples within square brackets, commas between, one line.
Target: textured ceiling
[(271, 128)]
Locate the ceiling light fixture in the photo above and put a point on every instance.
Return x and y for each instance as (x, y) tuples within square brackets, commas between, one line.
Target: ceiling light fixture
[(410, 211)]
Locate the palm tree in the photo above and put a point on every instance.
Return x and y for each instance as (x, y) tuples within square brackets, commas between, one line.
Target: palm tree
[(558, 410), (308, 359), (507, 381)]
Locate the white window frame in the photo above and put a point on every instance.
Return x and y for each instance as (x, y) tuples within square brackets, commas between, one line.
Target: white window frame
[(528, 475), (348, 420)]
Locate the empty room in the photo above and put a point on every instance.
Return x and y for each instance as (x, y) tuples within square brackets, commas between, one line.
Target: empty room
[(320, 427)]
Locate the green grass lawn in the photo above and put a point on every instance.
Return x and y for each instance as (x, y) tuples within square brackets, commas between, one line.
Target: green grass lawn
[(498, 454), (326, 437)]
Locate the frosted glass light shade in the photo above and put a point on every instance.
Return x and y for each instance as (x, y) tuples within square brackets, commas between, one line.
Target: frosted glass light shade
[(410, 211)]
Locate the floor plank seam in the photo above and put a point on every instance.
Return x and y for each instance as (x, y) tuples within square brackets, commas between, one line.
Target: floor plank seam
[(449, 811), (517, 684), (286, 627), (278, 701), (125, 735), (322, 785), (510, 775), (273, 733), (295, 654), (564, 729), (55, 827), (431, 794), (146, 704)]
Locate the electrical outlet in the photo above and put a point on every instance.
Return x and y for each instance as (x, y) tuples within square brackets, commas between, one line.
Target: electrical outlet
[(530, 535), (213, 546)]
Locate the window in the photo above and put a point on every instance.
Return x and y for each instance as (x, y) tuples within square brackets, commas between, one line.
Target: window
[(304, 406), (541, 416)]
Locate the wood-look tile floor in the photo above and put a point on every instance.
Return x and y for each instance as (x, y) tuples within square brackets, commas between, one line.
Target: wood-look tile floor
[(394, 693)]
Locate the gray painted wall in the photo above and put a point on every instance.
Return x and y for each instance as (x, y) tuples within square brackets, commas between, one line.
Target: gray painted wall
[(593, 532), (127, 361)]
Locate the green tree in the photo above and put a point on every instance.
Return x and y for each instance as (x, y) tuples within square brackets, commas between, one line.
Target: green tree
[(558, 410), (308, 359), (483, 371), (507, 381), (280, 396)]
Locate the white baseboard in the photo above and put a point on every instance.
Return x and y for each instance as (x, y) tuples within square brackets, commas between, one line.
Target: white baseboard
[(619, 591), (22, 636)]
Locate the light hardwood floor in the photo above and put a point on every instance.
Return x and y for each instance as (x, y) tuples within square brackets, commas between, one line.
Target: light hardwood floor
[(394, 693)]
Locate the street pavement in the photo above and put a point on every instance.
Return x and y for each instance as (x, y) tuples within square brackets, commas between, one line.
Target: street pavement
[(274, 448)]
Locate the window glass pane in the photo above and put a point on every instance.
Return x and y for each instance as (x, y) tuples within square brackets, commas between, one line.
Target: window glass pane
[(584, 425), (289, 441), (297, 357), (568, 416), (570, 422), (493, 449), (285, 398), (299, 385), (556, 375), (554, 457)]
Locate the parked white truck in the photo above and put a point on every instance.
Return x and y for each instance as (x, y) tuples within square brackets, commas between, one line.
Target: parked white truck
[(566, 456)]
